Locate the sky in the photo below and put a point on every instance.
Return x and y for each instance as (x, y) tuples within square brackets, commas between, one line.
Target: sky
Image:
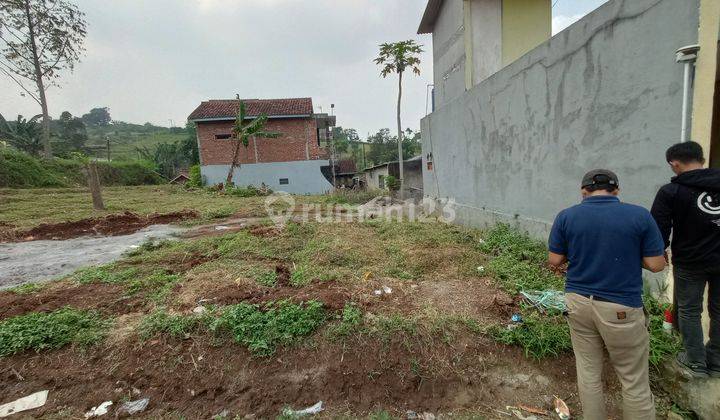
[(155, 61)]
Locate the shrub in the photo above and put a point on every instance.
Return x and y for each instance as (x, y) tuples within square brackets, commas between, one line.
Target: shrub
[(263, 329), (662, 344), (195, 176), (392, 183), (39, 331)]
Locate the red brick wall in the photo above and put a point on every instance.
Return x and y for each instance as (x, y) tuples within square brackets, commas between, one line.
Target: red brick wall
[(298, 135)]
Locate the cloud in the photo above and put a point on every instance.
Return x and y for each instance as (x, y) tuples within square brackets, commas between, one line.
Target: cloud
[(560, 22)]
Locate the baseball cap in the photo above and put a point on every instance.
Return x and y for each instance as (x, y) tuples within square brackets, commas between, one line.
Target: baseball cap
[(600, 177)]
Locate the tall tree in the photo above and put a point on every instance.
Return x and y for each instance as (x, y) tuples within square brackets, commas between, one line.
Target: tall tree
[(97, 117), (69, 134), (398, 57), (39, 39), (242, 133)]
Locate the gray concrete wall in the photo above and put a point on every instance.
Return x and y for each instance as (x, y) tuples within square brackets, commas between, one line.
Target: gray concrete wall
[(606, 92), (304, 176), (449, 53), (486, 38)]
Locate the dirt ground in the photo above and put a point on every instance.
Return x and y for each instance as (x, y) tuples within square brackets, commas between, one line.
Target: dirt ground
[(110, 225)]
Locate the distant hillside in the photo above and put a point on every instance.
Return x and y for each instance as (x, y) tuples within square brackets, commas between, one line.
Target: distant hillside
[(125, 138)]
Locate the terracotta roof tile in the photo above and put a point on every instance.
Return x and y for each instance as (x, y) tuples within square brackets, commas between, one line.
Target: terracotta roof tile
[(228, 108)]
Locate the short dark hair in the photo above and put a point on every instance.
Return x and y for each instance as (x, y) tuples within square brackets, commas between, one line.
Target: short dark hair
[(686, 152)]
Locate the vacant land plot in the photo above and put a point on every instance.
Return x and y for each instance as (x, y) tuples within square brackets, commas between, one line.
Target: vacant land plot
[(373, 318)]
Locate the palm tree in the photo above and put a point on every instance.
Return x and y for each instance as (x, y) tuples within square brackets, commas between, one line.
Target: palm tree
[(398, 57), (243, 132)]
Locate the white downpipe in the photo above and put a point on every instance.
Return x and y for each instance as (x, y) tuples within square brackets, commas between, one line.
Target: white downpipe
[(687, 56), (684, 136)]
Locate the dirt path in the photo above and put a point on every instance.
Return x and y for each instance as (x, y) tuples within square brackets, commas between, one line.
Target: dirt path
[(33, 261)]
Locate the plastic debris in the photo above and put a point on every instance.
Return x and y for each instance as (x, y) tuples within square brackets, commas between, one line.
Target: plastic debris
[(562, 409), (516, 318), (100, 410), (29, 402), (134, 407), (221, 227), (481, 269), (314, 409), (386, 290), (199, 309), (545, 300), (412, 415)]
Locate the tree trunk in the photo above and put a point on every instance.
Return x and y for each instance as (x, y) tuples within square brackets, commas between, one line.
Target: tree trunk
[(231, 171), (400, 139), (94, 185), (47, 149)]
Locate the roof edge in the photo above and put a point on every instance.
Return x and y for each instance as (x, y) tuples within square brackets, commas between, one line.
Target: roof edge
[(432, 10)]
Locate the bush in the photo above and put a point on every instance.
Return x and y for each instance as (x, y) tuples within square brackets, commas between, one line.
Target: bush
[(40, 331), (540, 336), (662, 344), (20, 170), (392, 183), (195, 176), (262, 330)]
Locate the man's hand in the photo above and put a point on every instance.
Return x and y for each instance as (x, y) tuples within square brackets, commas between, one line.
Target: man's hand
[(556, 260), (654, 264)]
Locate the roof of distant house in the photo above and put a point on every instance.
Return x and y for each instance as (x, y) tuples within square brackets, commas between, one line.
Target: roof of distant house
[(407, 161), (227, 109), (346, 166), (432, 10)]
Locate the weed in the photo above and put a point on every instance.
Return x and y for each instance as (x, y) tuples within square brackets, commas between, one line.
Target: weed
[(389, 326), (539, 336), (39, 331), (350, 197), (300, 276), (220, 213), (156, 286), (662, 344), (27, 288), (516, 275), (162, 322), (104, 274), (350, 320), (503, 239), (263, 329), (267, 278), (380, 415)]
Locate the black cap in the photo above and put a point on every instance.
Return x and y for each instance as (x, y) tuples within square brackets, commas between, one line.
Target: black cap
[(600, 177)]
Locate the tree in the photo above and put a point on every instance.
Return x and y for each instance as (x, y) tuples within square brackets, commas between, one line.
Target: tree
[(243, 132), (23, 134), (70, 134), (97, 117), (39, 39), (399, 57)]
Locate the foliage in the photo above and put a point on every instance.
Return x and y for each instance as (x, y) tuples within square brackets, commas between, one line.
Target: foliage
[(162, 322), (350, 320), (263, 329), (249, 191), (503, 239), (266, 278), (156, 287), (68, 134), (383, 146), (97, 117), (399, 57), (340, 196), (27, 288), (23, 134), (517, 275), (39, 331), (538, 335), (104, 274), (20, 170), (392, 183), (195, 176), (662, 344)]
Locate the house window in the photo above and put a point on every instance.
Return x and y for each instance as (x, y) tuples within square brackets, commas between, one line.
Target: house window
[(381, 181), (223, 136), (284, 181)]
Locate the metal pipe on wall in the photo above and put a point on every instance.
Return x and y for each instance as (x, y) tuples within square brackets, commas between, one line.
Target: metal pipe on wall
[(687, 56)]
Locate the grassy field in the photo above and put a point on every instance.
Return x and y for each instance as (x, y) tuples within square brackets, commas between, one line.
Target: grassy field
[(374, 318), (126, 138)]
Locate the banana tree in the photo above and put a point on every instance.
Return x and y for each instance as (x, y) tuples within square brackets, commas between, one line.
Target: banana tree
[(23, 134), (243, 131)]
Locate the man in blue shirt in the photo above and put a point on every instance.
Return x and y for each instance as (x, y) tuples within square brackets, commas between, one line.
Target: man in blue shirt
[(607, 243)]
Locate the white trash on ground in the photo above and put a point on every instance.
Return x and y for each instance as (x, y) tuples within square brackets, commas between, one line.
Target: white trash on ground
[(314, 409), (29, 402), (134, 407), (100, 410)]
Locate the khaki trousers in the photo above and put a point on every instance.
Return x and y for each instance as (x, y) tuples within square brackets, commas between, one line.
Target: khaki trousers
[(623, 331)]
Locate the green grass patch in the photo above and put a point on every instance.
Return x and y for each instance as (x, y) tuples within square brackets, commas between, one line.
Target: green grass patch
[(263, 328), (162, 322), (156, 287), (662, 344), (350, 321), (538, 335), (517, 275), (27, 288), (42, 331), (503, 239)]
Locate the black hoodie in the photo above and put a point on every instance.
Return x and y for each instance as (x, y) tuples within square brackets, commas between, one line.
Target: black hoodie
[(689, 206)]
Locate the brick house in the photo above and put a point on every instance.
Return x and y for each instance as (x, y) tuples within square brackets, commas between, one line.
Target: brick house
[(296, 162)]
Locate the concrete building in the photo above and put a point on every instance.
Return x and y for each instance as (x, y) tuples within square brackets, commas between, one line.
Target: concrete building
[(473, 39), (375, 177), (606, 92), (296, 162)]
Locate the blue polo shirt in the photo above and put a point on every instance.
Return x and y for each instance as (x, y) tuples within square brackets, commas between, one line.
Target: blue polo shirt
[(605, 241)]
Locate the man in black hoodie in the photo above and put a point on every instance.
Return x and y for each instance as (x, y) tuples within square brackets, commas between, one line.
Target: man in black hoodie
[(689, 207)]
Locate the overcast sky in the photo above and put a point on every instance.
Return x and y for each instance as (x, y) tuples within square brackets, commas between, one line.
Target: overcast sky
[(156, 60)]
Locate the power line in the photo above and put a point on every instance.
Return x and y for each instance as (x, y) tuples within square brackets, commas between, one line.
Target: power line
[(555, 4)]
